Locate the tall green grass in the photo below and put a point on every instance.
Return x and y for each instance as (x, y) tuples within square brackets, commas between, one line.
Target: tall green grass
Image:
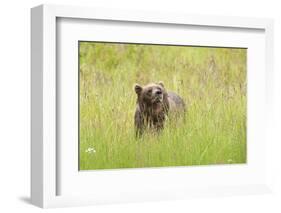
[(212, 81)]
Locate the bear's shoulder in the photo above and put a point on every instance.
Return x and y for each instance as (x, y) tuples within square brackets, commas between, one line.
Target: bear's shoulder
[(175, 101)]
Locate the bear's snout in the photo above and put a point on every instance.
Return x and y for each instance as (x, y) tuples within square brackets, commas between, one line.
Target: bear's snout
[(158, 96), (158, 92)]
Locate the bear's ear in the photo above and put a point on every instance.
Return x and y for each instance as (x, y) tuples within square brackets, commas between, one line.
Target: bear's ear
[(138, 88), (161, 83)]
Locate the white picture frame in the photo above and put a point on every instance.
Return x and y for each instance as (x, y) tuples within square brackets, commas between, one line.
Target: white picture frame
[(45, 169)]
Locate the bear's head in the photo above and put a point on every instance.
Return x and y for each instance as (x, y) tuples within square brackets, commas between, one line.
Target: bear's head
[(151, 94)]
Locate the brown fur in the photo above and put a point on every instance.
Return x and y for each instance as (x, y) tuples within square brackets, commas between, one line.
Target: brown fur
[(153, 105)]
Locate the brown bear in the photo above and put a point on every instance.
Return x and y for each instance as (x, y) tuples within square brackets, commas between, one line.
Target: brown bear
[(154, 103)]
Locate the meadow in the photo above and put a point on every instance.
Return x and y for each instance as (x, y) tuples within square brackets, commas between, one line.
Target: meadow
[(212, 82)]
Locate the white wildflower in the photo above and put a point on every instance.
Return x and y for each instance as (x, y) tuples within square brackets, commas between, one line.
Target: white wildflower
[(90, 150)]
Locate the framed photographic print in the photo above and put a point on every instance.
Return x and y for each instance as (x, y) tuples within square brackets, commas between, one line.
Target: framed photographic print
[(130, 106)]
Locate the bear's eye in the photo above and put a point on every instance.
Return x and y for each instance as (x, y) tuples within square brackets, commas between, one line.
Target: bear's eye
[(149, 91)]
